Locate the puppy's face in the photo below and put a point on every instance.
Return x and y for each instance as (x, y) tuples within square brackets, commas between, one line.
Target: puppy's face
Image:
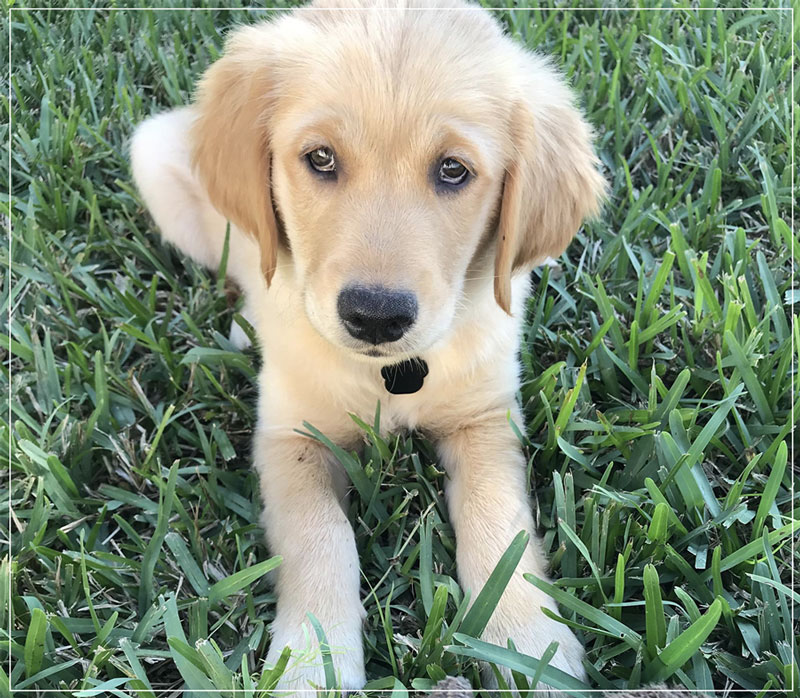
[(386, 198), (394, 150)]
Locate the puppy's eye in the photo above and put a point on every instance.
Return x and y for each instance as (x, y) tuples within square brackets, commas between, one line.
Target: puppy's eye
[(322, 160), (452, 172)]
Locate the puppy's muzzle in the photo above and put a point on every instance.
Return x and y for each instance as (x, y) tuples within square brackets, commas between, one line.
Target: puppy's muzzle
[(376, 314)]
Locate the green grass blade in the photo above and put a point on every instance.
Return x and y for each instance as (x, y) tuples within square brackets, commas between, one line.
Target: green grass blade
[(487, 599), (592, 614), (153, 551), (754, 386), (770, 492), (325, 651), (34, 642), (654, 612), (678, 652), (230, 585), (530, 666)]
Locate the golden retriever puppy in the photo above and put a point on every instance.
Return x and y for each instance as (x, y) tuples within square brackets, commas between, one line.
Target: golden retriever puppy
[(391, 173)]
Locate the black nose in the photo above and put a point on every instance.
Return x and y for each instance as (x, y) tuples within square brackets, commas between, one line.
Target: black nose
[(375, 314)]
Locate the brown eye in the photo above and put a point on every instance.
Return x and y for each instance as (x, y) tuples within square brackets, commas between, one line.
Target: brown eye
[(452, 172), (322, 160)]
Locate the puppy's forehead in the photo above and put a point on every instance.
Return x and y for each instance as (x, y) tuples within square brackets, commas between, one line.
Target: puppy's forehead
[(402, 65)]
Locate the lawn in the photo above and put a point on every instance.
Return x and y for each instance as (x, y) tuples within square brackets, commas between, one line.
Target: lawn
[(659, 364)]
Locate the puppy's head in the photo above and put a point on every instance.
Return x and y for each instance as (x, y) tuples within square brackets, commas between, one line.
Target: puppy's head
[(406, 155)]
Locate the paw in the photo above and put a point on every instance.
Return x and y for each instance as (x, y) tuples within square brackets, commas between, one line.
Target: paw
[(305, 674), (532, 636), (238, 337)]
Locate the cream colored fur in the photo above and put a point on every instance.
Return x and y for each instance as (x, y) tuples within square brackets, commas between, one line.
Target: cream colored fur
[(390, 88)]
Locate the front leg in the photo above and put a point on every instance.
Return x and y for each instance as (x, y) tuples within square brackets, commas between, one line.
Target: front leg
[(306, 524), (488, 505)]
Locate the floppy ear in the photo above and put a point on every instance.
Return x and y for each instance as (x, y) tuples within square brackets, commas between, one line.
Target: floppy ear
[(551, 184), (230, 149)]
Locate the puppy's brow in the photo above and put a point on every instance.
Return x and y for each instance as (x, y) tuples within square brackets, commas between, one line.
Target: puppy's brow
[(471, 144), (308, 128)]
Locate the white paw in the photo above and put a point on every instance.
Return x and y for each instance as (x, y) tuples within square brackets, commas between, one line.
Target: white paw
[(305, 672), (531, 636), (238, 337)]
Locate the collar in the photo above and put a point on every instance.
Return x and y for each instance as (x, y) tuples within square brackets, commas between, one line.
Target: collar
[(406, 377)]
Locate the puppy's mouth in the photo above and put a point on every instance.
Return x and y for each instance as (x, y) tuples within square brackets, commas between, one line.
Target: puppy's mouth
[(384, 354), (387, 352)]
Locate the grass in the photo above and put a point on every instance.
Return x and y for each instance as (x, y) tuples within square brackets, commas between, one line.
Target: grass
[(657, 386)]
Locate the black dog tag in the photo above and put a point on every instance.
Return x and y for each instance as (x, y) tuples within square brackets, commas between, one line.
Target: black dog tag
[(405, 377)]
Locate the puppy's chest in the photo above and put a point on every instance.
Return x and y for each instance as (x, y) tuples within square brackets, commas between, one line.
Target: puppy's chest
[(401, 412), (440, 397)]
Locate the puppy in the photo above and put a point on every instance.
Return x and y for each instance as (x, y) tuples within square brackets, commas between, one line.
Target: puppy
[(391, 173)]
